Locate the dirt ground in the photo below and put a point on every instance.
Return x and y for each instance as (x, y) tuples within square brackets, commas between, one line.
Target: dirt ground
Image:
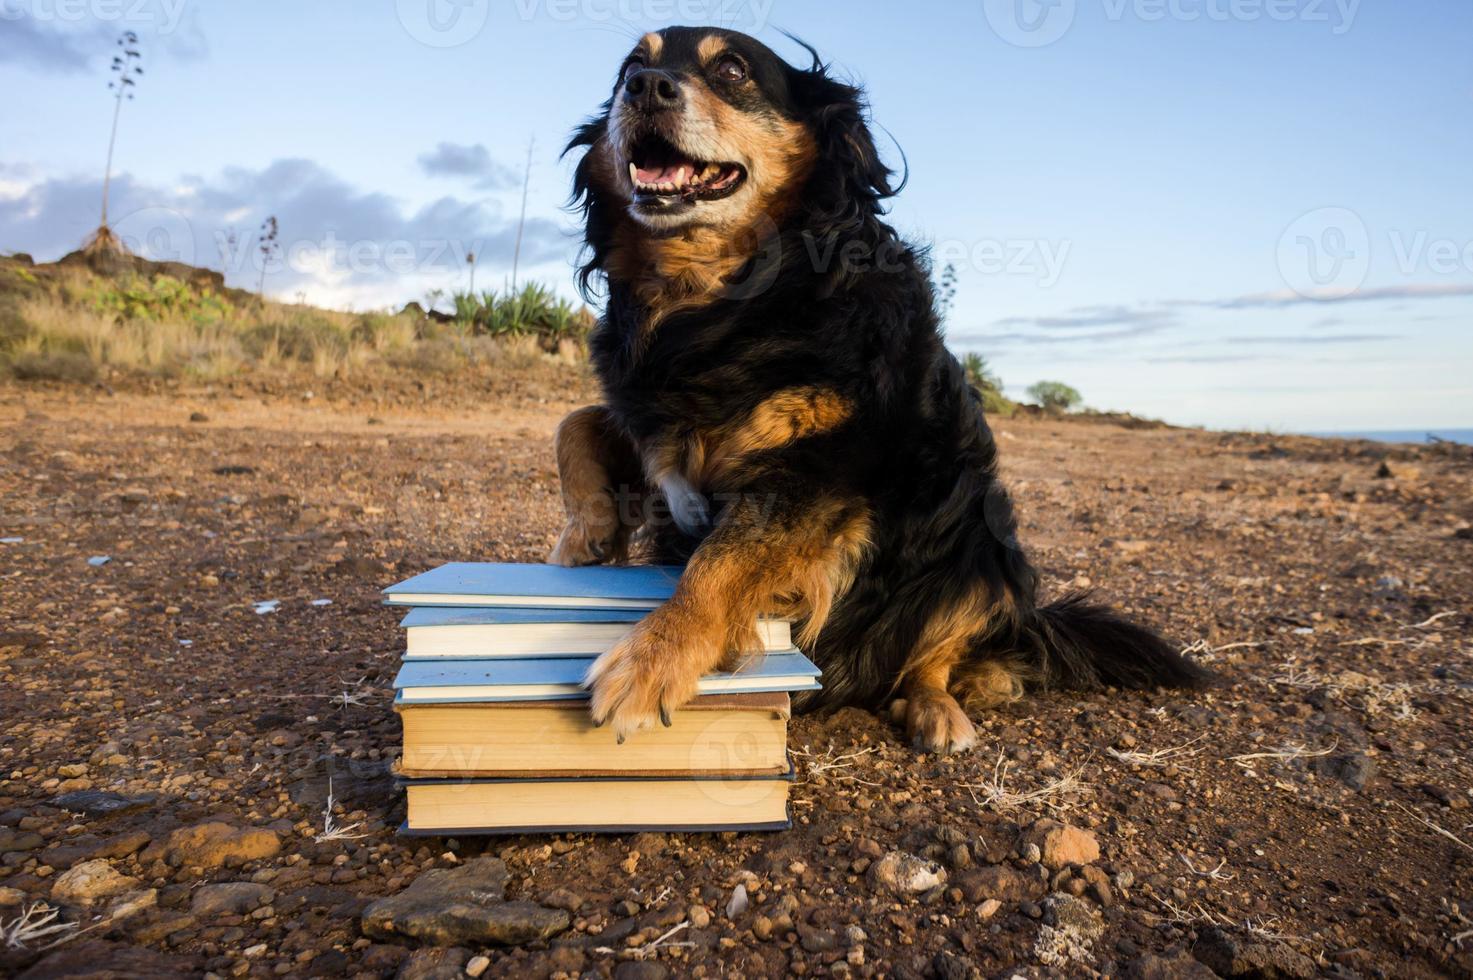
[(1309, 816)]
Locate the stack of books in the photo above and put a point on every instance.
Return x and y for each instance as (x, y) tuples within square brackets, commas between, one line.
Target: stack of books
[(497, 735)]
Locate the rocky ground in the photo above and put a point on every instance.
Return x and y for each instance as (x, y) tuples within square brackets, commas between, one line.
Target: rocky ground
[(194, 676)]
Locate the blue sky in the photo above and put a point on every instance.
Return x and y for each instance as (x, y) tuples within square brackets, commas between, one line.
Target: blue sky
[(1228, 212)]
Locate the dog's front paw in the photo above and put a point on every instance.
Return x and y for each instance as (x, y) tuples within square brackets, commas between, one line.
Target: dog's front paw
[(936, 723), (585, 543), (640, 682)]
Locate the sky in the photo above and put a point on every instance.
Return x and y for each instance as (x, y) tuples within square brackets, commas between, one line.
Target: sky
[(1233, 213)]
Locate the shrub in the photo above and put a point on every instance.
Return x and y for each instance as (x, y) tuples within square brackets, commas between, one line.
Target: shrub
[(159, 298), (385, 332), (988, 385), (1055, 396), (534, 310)]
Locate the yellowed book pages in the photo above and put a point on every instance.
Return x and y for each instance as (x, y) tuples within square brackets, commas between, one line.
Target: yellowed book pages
[(597, 804), (732, 734)]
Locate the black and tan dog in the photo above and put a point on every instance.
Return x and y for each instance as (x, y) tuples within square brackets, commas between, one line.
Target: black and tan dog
[(774, 377)]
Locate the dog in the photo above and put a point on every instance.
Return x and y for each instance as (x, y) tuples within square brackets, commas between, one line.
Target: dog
[(781, 416)]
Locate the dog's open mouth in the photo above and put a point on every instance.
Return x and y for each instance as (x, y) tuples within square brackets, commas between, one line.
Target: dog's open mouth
[(663, 175)]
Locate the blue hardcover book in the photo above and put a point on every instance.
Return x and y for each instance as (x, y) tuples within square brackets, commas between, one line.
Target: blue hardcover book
[(469, 681), (518, 632), (546, 586)]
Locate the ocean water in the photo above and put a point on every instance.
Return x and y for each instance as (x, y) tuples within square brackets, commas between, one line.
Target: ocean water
[(1464, 436)]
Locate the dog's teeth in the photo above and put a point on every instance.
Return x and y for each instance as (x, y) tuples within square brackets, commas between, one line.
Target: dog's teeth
[(633, 174)]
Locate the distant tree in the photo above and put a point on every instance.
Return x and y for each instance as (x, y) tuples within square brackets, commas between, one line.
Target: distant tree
[(126, 69), (269, 245), (1055, 396)]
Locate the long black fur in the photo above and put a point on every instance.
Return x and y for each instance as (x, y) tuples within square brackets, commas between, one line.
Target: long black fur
[(917, 452)]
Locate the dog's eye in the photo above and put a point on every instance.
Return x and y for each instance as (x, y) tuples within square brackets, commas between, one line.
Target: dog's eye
[(630, 67), (730, 69)]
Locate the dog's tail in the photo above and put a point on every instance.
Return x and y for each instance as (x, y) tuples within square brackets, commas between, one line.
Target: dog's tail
[(1079, 643)]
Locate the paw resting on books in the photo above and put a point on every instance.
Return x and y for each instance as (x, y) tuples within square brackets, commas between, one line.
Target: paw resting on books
[(584, 542), (642, 680)]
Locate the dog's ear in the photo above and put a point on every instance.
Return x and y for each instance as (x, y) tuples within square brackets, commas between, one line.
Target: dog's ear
[(850, 183), (590, 199)]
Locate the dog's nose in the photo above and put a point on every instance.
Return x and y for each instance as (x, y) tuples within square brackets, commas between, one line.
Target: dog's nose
[(652, 90)]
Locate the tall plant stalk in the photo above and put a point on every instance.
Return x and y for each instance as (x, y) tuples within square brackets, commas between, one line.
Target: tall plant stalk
[(516, 254), (126, 68)]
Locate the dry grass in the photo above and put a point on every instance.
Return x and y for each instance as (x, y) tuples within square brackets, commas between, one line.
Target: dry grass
[(831, 765), (1371, 694), (1212, 874), (36, 922), (83, 329), (1287, 753), (1206, 653), (1156, 757), (331, 829), (995, 793), (1435, 827)]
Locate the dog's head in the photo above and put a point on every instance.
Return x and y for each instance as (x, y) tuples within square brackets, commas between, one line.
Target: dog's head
[(708, 132)]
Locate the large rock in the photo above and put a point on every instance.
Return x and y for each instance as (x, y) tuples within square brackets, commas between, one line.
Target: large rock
[(97, 803), (1071, 928), (91, 881), (434, 964), (357, 784), (1062, 845), (1151, 967), (906, 874), (449, 907), (1228, 955), (100, 960), (1354, 769), (234, 897), (1001, 882), (214, 844), (78, 849)]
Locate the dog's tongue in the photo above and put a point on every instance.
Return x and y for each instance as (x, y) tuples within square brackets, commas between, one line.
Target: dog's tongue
[(679, 174)]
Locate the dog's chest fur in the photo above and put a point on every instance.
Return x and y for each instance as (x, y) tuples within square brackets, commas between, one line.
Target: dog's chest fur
[(701, 397)]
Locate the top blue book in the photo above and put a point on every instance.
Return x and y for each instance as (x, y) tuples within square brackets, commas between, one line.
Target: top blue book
[(538, 586)]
